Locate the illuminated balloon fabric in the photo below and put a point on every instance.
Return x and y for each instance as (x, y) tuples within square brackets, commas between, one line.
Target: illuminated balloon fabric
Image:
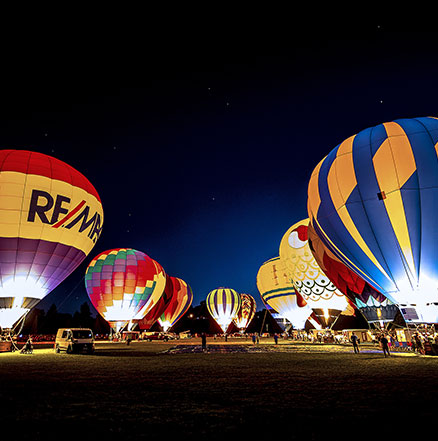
[(152, 316), (246, 312), (372, 201), (179, 304), (223, 305), (308, 278), (50, 219), (373, 305), (124, 284), (277, 291)]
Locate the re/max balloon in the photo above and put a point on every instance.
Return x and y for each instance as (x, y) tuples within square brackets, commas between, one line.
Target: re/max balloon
[(372, 200), (50, 219), (124, 284), (179, 304), (223, 305)]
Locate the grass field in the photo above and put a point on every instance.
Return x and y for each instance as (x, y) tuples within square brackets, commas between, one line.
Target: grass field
[(290, 391)]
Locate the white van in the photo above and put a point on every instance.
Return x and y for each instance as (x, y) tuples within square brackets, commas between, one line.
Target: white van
[(74, 340)]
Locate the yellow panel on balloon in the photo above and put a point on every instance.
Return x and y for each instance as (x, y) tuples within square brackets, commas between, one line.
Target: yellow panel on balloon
[(302, 268)]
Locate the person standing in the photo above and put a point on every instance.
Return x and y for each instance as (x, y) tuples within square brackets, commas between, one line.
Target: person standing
[(385, 346), (419, 343), (204, 342), (355, 341), (276, 338)]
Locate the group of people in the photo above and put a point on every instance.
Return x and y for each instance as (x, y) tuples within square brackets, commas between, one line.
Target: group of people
[(418, 341), (327, 337), (254, 337), (382, 339)]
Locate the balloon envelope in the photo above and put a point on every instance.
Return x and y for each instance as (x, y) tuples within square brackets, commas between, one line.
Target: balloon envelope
[(124, 284), (277, 291), (181, 300), (309, 280), (223, 305), (246, 312), (372, 201), (372, 304), (50, 219), (155, 312)]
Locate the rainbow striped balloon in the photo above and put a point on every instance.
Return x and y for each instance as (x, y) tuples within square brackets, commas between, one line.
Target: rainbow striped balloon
[(223, 305), (124, 284), (50, 219)]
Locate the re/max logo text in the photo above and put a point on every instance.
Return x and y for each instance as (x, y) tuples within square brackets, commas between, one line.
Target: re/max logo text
[(42, 202)]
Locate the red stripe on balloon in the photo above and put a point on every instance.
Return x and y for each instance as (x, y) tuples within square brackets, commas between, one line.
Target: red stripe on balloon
[(69, 215)]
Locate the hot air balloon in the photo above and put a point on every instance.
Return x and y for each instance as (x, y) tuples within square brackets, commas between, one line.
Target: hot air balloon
[(223, 305), (155, 312), (278, 292), (374, 306), (326, 301), (246, 312), (181, 300), (51, 217), (124, 284), (372, 201)]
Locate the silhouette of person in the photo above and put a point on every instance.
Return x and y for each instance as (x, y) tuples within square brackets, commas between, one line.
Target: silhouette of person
[(355, 340), (204, 341), (385, 347)]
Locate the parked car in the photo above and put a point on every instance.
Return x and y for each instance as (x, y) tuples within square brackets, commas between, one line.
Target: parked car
[(73, 340), (149, 336)]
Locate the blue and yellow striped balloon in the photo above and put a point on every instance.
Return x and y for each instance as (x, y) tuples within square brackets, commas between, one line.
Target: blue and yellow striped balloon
[(372, 201), (223, 304)]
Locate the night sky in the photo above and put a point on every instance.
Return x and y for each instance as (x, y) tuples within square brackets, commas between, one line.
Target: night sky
[(202, 157)]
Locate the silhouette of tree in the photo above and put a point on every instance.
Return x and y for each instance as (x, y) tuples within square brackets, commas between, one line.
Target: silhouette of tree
[(82, 318)]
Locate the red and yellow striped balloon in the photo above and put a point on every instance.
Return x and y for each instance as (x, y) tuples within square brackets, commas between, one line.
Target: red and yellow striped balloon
[(152, 316), (181, 300), (246, 312)]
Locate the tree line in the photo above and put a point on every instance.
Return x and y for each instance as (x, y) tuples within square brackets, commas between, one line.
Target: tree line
[(197, 319), (38, 321)]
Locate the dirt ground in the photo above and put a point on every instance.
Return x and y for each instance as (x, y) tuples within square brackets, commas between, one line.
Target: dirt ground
[(236, 389)]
